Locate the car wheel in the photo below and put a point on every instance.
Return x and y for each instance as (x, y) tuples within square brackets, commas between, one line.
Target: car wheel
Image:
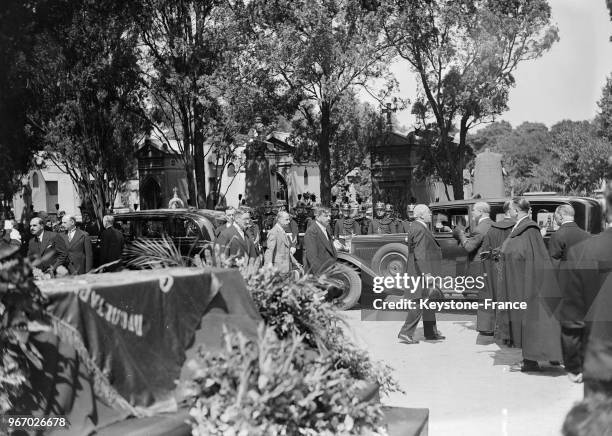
[(391, 259), (351, 285)]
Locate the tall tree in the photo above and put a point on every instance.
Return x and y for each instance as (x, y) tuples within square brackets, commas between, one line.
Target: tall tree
[(321, 51), (18, 143), (86, 73), (355, 126), (582, 156), (191, 63), (464, 53)]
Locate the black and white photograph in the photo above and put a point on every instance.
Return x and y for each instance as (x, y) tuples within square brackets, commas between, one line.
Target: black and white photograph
[(306, 217)]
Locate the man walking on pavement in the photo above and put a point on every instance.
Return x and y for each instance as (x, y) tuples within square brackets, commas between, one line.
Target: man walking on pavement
[(427, 257)]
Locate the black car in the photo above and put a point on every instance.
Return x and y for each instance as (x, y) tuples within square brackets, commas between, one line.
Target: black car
[(189, 229)]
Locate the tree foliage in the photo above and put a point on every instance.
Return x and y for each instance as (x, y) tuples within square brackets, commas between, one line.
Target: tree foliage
[(90, 96), (464, 53), (569, 157), (18, 143), (321, 51)]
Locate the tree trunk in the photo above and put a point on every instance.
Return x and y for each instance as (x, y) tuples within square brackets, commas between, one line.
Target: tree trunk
[(198, 148), (188, 161), (324, 155)]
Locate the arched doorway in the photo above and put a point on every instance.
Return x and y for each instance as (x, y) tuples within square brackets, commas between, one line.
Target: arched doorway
[(151, 194)]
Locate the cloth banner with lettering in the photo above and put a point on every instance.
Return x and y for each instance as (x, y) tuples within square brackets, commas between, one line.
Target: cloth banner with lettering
[(135, 330)]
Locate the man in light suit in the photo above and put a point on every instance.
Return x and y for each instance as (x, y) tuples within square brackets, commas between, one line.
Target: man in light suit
[(44, 242), (280, 251), (319, 250), (233, 241), (427, 255), (79, 259)]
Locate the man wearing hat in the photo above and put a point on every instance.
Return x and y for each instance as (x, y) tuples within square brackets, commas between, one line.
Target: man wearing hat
[(346, 226), (382, 223)]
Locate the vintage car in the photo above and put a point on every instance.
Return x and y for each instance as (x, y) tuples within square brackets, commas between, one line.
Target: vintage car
[(189, 229), (387, 255)]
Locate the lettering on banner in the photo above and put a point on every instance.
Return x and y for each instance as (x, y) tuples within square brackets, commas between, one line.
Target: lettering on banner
[(131, 322)]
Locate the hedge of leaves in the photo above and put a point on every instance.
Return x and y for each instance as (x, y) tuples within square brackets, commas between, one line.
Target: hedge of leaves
[(276, 386), (298, 307), (21, 303)]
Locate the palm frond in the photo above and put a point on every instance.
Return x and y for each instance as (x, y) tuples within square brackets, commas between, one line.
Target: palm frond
[(154, 253)]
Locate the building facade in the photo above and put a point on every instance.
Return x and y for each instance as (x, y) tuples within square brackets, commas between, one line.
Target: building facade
[(47, 189), (259, 170)]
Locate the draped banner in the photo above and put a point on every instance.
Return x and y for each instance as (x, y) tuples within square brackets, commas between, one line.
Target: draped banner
[(120, 340)]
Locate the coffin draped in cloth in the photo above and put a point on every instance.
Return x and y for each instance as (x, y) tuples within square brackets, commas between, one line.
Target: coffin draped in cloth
[(121, 340)]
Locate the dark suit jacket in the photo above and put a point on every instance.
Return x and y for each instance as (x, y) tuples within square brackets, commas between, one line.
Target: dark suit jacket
[(319, 251), (426, 250), (111, 245), (473, 244), (51, 242), (232, 244), (581, 277), (79, 255), (567, 235)]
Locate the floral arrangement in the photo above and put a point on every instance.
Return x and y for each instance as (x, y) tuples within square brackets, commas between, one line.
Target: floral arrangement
[(276, 386), (21, 305), (298, 307)]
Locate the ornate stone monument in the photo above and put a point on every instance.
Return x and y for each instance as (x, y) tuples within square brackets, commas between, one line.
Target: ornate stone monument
[(488, 175), (175, 202)]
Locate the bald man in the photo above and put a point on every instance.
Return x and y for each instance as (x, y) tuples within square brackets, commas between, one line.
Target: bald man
[(47, 245)]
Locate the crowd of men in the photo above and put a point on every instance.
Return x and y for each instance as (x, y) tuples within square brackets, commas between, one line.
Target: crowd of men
[(566, 286), (60, 247)]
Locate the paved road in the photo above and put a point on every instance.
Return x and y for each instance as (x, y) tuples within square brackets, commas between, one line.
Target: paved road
[(465, 382)]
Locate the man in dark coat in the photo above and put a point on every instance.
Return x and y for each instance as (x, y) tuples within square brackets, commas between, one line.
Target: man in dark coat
[(592, 261), (567, 235), (426, 256), (491, 245), (111, 241), (527, 278), (319, 250), (473, 245), (233, 241), (572, 331), (44, 242), (79, 255)]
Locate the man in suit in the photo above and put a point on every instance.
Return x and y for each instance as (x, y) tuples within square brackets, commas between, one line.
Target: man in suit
[(279, 252), (233, 241), (79, 258), (111, 241), (427, 256), (319, 250), (44, 242), (567, 235), (473, 245)]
